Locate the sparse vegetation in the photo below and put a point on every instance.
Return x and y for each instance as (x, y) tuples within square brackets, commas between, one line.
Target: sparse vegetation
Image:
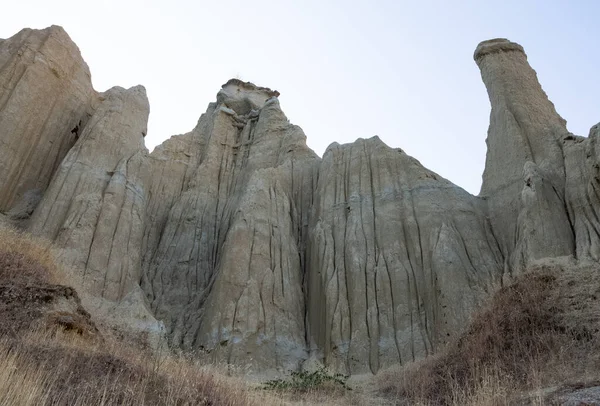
[(304, 381), (65, 369), (26, 259)]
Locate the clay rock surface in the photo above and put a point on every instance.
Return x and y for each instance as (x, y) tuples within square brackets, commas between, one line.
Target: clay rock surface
[(399, 257), (227, 272), (524, 176), (235, 241), (94, 207), (45, 99)]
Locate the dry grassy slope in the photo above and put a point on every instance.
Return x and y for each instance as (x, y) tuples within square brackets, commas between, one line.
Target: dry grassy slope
[(30, 293), (537, 342)]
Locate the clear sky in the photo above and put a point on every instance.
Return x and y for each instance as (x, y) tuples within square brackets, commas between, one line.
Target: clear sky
[(402, 70)]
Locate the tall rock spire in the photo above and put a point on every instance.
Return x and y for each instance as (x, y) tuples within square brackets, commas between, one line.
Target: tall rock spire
[(524, 177), (226, 269)]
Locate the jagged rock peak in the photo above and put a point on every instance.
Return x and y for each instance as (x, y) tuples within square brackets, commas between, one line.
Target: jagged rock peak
[(243, 97), (496, 45), (251, 86)]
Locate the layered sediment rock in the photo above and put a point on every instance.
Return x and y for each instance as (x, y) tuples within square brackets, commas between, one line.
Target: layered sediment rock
[(228, 266), (251, 248), (582, 190)]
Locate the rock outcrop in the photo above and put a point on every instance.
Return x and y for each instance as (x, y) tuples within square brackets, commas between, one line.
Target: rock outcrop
[(582, 190), (399, 257), (45, 100), (94, 207), (253, 250), (524, 176), (228, 267)]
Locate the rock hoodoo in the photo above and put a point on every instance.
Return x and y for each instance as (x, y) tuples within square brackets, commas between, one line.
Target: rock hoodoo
[(524, 177), (251, 248)]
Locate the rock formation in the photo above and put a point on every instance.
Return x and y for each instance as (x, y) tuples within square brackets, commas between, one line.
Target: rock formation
[(228, 266), (524, 176), (399, 257), (252, 249), (95, 204), (45, 100)]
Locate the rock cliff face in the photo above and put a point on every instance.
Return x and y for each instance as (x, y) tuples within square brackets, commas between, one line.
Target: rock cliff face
[(399, 257), (252, 249), (94, 207), (45, 100)]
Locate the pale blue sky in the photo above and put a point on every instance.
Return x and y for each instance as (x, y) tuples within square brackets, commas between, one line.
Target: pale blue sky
[(402, 70)]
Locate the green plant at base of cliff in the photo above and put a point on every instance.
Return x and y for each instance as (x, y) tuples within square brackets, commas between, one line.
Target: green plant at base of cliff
[(304, 381)]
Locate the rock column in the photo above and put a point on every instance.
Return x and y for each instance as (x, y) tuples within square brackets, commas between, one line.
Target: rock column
[(524, 177)]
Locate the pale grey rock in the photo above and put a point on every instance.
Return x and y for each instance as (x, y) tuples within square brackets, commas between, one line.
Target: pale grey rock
[(399, 258), (524, 127), (94, 207), (582, 163), (130, 315), (243, 98), (25, 206), (543, 225), (227, 274), (256, 305), (169, 167), (45, 99)]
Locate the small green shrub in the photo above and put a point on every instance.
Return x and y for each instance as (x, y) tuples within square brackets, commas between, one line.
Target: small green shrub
[(304, 381)]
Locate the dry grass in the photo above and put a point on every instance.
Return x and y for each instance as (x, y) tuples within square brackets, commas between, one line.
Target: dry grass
[(26, 259), (326, 395), (539, 332), (64, 369), (29, 293)]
